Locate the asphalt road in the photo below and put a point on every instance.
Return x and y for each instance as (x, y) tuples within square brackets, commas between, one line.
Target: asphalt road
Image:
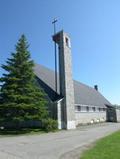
[(60, 145)]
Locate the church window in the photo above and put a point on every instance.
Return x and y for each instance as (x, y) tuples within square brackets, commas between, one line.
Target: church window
[(101, 109), (104, 109), (87, 108), (93, 109), (78, 108)]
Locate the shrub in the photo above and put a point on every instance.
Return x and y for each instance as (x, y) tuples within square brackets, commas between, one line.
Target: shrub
[(49, 124)]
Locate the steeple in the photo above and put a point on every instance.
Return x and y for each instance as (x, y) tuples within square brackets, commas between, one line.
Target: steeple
[(66, 80)]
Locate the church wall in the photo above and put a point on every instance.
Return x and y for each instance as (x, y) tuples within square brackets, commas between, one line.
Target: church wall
[(118, 115), (90, 117)]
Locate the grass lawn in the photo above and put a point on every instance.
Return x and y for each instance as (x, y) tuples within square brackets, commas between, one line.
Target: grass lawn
[(105, 148)]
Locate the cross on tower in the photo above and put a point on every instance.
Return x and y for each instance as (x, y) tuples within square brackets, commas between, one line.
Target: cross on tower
[(54, 23)]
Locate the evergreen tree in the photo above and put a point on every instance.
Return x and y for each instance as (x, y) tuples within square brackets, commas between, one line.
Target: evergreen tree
[(21, 99)]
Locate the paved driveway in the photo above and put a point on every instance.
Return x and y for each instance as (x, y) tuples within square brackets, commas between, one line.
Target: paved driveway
[(53, 145)]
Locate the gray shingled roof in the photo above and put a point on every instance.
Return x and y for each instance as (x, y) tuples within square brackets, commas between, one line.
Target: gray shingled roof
[(84, 94)]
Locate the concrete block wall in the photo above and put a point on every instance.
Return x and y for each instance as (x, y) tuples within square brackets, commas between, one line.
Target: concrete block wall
[(89, 117), (118, 115)]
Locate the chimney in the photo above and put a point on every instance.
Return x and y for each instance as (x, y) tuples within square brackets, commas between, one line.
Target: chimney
[(96, 87)]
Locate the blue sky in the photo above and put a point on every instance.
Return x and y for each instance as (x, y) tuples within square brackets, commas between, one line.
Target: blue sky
[(94, 28)]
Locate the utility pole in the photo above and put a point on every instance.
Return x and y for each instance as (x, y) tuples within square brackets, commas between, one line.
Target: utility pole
[(55, 47)]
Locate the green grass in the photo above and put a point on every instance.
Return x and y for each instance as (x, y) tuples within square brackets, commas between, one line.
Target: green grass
[(105, 148)]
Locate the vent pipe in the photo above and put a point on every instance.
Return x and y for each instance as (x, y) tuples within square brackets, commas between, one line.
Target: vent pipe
[(96, 87)]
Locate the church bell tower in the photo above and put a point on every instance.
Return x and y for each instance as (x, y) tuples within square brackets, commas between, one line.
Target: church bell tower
[(67, 110)]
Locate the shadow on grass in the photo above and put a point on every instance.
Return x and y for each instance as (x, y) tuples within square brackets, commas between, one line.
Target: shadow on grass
[(22, 131)]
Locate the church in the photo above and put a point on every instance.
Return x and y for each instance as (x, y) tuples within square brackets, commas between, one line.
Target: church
[(74, 103)]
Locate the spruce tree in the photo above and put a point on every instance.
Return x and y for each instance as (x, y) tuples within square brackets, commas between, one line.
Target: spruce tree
[(21, 99)]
